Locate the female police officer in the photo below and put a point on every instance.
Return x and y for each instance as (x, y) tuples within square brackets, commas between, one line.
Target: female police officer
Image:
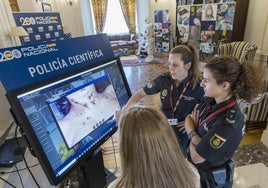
[(179, 89), (217, 127)]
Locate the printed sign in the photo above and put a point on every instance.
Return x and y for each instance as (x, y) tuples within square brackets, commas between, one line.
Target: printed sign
[(41, 26), (24, 65)]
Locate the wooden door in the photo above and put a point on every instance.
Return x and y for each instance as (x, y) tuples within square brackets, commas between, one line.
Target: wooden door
[(240, 19)]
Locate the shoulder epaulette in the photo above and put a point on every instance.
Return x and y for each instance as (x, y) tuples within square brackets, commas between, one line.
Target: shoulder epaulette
[(230, 117)]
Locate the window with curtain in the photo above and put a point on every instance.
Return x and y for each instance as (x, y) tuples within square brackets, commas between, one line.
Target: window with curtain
[(115, 22)]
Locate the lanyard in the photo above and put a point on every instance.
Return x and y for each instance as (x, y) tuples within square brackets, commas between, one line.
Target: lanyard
[(230, 105), (179, 99)]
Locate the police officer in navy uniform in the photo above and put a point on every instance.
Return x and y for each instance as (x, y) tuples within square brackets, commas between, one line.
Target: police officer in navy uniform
[(216, 127), (174, 107), (179, 89)]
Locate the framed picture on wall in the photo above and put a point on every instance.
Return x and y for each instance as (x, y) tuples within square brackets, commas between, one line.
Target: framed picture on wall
[(46, 7)]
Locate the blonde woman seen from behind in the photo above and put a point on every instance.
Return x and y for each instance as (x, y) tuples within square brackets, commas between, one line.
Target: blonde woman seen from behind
[(150, 154)]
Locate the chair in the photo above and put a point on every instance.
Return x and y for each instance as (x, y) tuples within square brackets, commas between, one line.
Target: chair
[(256, 112), (242, 50)]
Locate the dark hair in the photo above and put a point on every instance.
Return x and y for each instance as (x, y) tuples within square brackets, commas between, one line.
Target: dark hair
[(243, 78), (189, 54)]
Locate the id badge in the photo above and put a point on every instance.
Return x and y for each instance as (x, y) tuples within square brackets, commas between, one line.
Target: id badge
[(173, 121)]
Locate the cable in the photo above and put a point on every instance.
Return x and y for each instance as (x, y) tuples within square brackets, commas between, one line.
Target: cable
[(116, 166), (18, 170), (9, 172), (16, 135), (7, 182), (19, 176)]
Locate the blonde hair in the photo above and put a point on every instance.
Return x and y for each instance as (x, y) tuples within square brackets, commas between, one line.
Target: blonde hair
[(150, 153)]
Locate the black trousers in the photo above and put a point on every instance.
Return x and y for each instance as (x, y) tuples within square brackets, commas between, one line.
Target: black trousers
[(182, 139)]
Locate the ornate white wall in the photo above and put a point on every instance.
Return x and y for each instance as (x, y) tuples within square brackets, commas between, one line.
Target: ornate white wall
[(256, 27), (5, 22), (5, 41), (142, 13), (165, 5)]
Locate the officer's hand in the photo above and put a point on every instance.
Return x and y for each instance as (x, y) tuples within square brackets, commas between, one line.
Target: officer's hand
[(181, 127), (195, 116), (117, 115), (189, 124)]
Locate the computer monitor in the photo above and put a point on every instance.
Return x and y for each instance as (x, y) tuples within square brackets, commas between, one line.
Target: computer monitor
[(66, 118)]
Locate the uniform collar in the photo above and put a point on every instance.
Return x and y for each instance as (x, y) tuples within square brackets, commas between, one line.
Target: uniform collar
[(183, 83), (215, 106)]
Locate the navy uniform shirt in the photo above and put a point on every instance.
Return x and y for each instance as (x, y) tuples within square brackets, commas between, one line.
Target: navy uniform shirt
[(191, 97), (221, 135)]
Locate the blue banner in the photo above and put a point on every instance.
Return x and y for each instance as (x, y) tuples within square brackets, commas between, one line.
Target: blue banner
[(41, 26), (25, 65)]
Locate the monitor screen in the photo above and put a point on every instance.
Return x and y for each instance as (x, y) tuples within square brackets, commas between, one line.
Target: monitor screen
[(65, 119)]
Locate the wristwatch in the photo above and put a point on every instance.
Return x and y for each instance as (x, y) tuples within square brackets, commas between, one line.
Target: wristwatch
[(191, 134)]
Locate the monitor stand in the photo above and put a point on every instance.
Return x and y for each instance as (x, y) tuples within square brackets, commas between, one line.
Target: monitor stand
[(92, 174)]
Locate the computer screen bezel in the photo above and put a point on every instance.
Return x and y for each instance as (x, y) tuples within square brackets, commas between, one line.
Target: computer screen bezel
[(22, 120)]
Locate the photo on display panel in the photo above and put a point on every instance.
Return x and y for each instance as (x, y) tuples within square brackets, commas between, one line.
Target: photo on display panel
[(206, 48), (194, 35), (206, 36), (225, 16), (208, 25), (161, 16), (222, 36), (183, 15), (209, 12), (183, 31)]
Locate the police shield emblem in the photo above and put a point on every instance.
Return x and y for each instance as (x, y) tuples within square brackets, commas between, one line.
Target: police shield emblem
[(217, 141), (164, 92)]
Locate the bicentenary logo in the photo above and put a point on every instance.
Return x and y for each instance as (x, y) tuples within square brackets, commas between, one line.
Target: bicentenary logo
[(10, 54), (27, 51), (27, 21), (39, 20)]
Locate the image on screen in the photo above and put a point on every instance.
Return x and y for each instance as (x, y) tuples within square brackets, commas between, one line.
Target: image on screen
[(81, 110)]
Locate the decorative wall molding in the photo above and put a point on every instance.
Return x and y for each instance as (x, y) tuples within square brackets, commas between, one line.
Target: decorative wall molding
[(6, 21), (265, 37), (259, 56)]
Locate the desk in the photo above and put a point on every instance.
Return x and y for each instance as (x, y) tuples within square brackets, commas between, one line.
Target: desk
[(37, 171)]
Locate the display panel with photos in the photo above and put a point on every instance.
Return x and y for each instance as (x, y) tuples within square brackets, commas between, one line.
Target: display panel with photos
[(205, 25)]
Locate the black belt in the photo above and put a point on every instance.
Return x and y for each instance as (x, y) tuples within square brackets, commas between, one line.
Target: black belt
[(218, 176)]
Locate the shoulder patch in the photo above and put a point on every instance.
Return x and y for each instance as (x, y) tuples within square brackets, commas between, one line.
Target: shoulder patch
[(150, 85), (216, 141)]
